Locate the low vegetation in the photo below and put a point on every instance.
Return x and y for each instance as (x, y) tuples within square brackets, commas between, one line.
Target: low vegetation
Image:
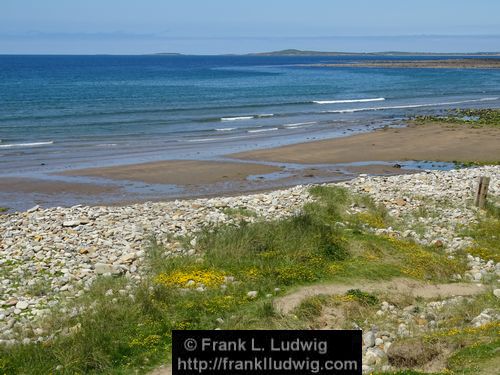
[(231, 283), (486, 233), (474, 118)]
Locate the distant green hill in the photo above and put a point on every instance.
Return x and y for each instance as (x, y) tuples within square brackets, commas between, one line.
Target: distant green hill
[(168, 54)]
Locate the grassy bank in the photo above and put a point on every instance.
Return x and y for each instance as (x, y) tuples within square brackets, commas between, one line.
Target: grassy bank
[(231, 282)]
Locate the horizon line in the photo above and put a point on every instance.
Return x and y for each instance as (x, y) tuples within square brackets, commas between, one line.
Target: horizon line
[(261, 54)]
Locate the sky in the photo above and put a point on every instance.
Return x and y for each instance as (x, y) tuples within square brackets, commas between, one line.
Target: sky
[(244, 26)]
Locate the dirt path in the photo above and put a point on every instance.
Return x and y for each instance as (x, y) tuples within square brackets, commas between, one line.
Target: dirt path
[(414, 288), (164, 370)]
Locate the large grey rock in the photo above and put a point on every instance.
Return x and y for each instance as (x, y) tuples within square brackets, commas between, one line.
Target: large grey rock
[(369, 339)]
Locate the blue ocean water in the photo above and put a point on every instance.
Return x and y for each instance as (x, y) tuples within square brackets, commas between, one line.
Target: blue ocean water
[(66, 110)]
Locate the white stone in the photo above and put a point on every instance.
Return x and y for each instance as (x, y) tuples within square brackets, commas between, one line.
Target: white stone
[(102, 268), (22, 305), (128, 258), (252, 294), (71, 223)]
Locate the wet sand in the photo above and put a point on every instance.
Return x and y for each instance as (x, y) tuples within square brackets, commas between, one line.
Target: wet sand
[(168, 180), (19, 193), (305, 163), (32, 185), (178, 172), (436, 142)]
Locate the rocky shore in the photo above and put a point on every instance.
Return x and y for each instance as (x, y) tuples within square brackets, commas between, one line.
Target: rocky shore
[(50, 256), (471, 63)]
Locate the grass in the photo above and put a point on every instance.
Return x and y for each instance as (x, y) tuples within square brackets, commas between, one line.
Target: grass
[(130, 330), (362, 297), (40, 288), (3, 209), (239, 212), (486, 234), (467, 164), (480, 358), (475, 348)]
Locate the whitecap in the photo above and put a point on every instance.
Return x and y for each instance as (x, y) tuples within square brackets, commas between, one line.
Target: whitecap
[(408, 106), (262, 130), (343, 101), (31, 144), (299, 124), (236, 118)]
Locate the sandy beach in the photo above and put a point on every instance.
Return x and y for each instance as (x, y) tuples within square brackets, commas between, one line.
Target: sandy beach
[(437, 142), (375, 153), (178, 172)]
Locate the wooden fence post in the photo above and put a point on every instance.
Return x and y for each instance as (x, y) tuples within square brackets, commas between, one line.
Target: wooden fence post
[(482, 191)]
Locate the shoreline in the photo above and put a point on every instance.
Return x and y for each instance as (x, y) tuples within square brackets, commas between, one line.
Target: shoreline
[(472, 63), (109, 192), (381, 152)]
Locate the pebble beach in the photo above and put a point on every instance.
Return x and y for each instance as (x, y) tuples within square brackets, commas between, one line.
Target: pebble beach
[(66, 249)]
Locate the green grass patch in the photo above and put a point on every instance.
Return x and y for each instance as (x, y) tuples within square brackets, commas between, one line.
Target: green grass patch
[(239, 212), (467, 164), (474, 349), (480, 358), (3, 209), (311, 308), (363, 297), (486, 234), (474, 118)]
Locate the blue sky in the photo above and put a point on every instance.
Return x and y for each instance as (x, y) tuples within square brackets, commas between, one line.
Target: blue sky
[(234, 26)]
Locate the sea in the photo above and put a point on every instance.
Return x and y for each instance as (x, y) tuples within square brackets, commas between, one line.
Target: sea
[(65, 112)]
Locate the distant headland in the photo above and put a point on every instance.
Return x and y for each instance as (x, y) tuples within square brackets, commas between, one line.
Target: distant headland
[(297, 52)]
